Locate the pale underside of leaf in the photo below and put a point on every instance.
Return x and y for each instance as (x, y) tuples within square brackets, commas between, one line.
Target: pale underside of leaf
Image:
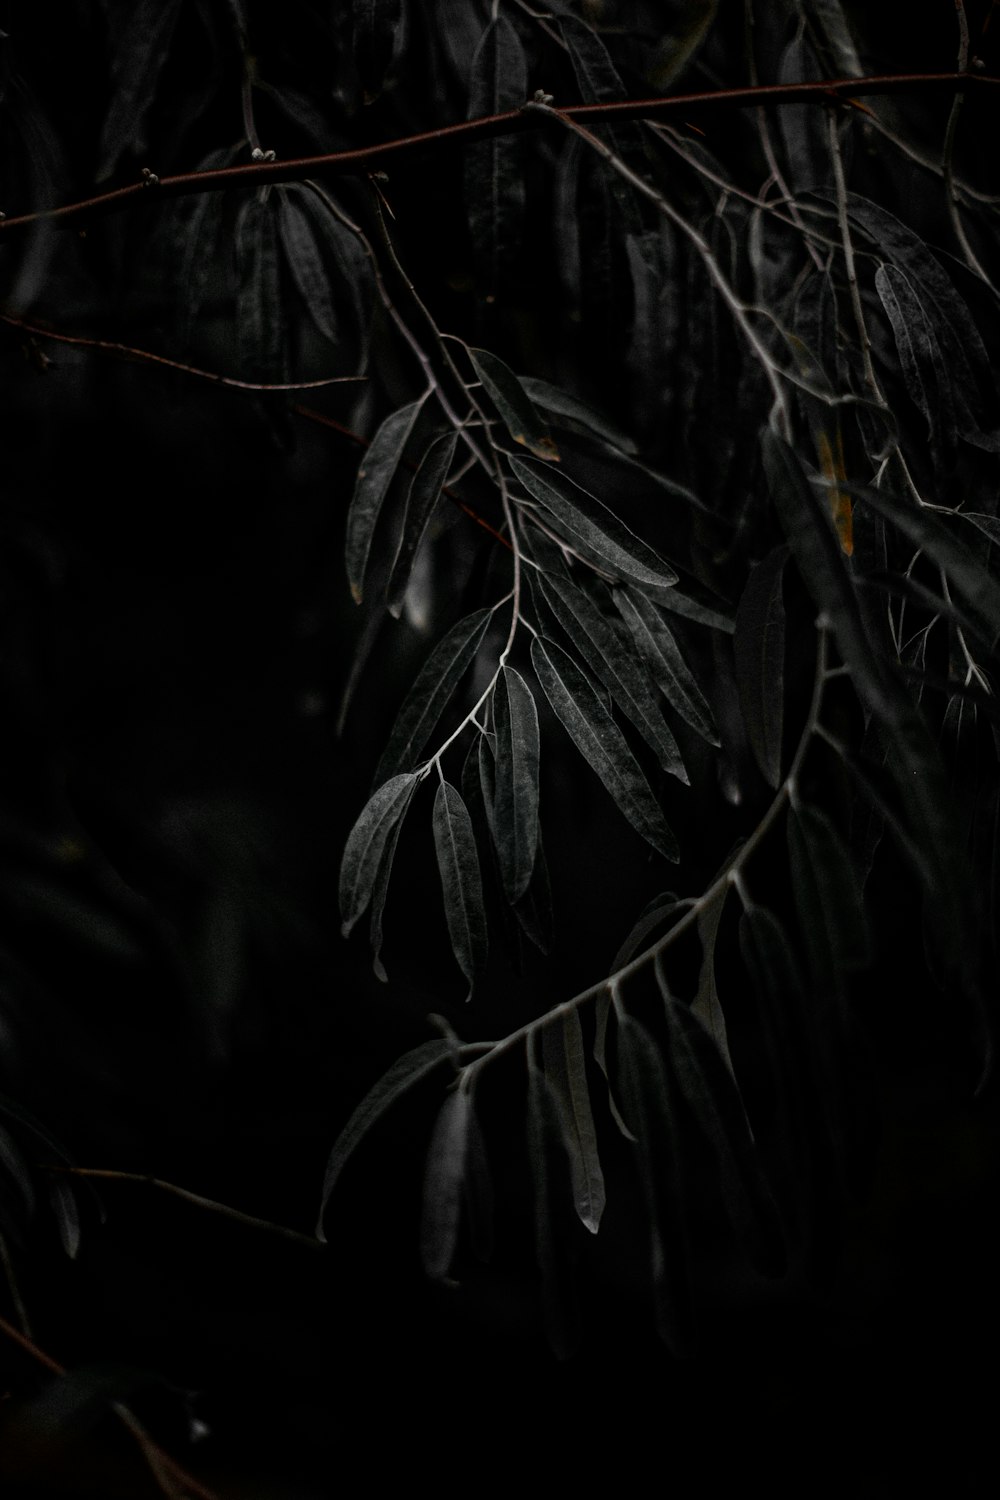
[(375, 475), (302, 255), (461, 884), (367, 843)]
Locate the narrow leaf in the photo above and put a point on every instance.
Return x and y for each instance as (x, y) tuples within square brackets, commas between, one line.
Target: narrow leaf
[(602, 1013), (611, 659), (515, 806), (494, 169), (140, 54), (422, 496), (759, 648), (67, 1215), (546, 1162), (303, 258), (591, 529), (515, 406), (375, 475), (435, 682), (443, 1179), (707, 1007), (366, 844), (404, 1074), (659, 650), (600, 742), (818, 846), (576, 413), (461, 884), (260, 305), (377, 31), (566, 1070)]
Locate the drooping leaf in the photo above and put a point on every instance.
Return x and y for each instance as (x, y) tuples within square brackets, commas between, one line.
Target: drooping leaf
[(659, 650), (566, 1070), (195, 247), (547, 1164), (802, 128), (66, 1213), (707, 1007), (377, 33), (656, 915), (375, 475), (434, 684), (260, 315), (140, 53), (693, 609), (576, 413), (379, 894), (689, 26), (608, 655), (458, 866), (648, 1106), (494, 169), (515, 806), (759, 646), (515, 406), (600, 742), (367, 842), (599, 81), (704, 1076), (988, 525), (477, 1191), (404, 1074), (818, 847), (602, 1014), (305, 262), (422, 496), (829, 16), (443, 1180), (590, 528)]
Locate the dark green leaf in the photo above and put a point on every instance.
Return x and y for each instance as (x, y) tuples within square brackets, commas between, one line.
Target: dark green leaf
[(576, 413), (610, 657), (759, 647), (515, 806), (600, 742), (435, 682), (590, 528), (647, 1102), (513, 403), (443, 1180), (818, 847), (140, 53), (707, 1007), (375, 475), (377, 34), (458, 866), (67, 1214), (566, 1070), (988, 525), (404, 1074), (657, 914), (303, 258), (423, 495), (260, 315), (494, 169), (921, 358), (659, 650), (367, 842), (602, 1013)]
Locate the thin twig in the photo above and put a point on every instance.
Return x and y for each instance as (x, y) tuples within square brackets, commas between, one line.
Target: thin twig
[(361, 160)]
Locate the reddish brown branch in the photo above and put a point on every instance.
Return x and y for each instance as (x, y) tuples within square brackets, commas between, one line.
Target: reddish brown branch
[(367, 158)]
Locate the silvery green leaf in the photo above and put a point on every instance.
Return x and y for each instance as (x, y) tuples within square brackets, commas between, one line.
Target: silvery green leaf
[(378, 468), (576, 413), (494, 169), (443, 1180), (260, 316), (759, 647), (461, 884), (659, 650), (513, 403), (611, 659), (367, 843), (515, 803), (407, 1071), (566, 1070), (303, 258), (600, 742), (434, 684), (590, 528), (422, 496)]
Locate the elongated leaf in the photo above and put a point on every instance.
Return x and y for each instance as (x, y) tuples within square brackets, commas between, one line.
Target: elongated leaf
[(656, 915), (576, 413), (693, 609), (919, 352), (458, 866), (610, 657), (303, 258), (513, 403), (600, 742), (443, 1181), (375, 475), (67, 1215), (591, 529), (759, 647), (16, 1168), (659, 650), (494, 169), (988, 525), (705, 1079), (818, 847), (829, 16), (377, 32), (435, 682), (477, 1191), (195, 247), (690, 24), (707, 1007), (423, 495), (546, 1160), (404, 1074), (515, 807), (599, 80), (140, 54), (367, 843), (381, 890), (602, 1013), (648, 1106), (566, 1070), (260, 305)]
